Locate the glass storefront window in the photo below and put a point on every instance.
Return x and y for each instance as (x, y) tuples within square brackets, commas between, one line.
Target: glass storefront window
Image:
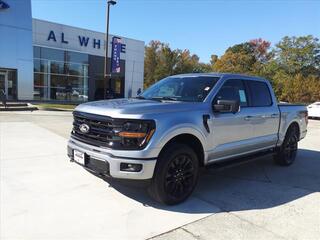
[(52, 54), (57, 67), (76, 57), (40, 66), (44, 66), (36, 52), (75, 69), (60, 75), (40, 80), (36, 65), (40, 86), (68, 88), (58, 87), (64, 76)]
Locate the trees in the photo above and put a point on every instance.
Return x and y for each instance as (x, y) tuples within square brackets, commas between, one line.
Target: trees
[(296, 69), (299, 88), (292, 66), (151, 60), (246, 57), (299, 55), (161, 61), (234, 62)]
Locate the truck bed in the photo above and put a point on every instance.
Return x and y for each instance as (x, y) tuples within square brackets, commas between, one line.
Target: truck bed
[(289, 113)]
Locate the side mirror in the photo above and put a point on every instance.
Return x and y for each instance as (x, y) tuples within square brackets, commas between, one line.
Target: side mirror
[(226, 106)]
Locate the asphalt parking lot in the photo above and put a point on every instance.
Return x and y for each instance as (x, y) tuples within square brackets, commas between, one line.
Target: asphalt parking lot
[(44, 196)]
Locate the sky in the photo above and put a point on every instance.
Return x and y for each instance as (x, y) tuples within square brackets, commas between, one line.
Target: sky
[(204, 27)]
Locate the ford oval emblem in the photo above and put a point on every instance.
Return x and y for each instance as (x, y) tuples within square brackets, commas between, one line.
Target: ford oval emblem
[(84, 128), (3, 5)]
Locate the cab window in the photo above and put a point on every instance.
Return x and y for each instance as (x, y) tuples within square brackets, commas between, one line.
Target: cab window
[(260, 94), (233, 90)]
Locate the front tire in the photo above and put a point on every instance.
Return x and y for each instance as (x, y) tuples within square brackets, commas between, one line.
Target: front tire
[(287, 153), (175, 175)]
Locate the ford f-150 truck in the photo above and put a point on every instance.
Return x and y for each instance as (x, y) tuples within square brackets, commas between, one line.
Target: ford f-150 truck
[(183, 123)]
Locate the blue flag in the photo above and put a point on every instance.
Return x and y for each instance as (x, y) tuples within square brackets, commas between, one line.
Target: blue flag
[(115, 58)]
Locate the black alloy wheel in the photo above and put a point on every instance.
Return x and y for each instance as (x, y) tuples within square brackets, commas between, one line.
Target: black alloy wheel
[(180, 176), (290, 149), (175, 175), (287, 153)]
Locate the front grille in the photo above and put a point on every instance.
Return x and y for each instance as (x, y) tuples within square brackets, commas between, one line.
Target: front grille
[(102, 129)]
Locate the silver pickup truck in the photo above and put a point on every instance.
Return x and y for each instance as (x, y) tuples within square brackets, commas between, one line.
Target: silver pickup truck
[(183, 123)]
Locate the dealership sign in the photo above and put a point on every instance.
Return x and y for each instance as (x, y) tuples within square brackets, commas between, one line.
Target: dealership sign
[(3, 5), (83, 41)]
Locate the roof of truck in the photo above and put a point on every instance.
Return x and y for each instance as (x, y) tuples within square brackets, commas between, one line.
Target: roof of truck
[(227, 75)]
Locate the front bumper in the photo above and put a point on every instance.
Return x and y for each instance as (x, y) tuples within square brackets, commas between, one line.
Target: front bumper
[(108, 165)]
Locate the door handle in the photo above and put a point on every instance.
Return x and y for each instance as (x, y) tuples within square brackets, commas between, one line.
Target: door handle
[(275, 115), (248, 118)]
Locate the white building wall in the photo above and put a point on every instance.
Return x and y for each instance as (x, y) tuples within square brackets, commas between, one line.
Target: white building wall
[(134, 55), (16, 44)]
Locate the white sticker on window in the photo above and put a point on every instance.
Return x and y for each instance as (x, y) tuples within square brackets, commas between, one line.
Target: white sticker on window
[(242, 96)]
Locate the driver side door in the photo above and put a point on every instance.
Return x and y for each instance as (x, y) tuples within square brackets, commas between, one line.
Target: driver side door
[(232, 133)]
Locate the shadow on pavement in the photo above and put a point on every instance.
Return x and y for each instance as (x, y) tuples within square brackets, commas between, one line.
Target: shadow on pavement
[(256, 185)]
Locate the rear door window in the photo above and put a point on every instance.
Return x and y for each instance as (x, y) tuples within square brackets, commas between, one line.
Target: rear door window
[(259, 94)]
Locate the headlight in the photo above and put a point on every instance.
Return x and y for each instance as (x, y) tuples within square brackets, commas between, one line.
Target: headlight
[(135, 134)]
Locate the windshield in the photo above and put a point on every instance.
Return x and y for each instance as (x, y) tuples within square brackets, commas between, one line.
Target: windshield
[(187, 89)]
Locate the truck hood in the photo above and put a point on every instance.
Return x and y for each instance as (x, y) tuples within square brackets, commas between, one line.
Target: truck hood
[(134, 107)]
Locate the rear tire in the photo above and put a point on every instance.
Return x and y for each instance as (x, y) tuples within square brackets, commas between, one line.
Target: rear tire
[(287, 153), (175, 175)]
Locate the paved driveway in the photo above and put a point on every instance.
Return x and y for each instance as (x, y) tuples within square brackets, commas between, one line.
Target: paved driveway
[(44, 196)]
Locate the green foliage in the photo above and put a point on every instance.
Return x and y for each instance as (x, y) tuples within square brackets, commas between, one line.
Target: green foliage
[(292, 66), (298, 54), (235, 62), (161, 61), (247, 58)]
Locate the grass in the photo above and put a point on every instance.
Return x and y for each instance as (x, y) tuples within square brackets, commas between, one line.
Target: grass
[(56, 106)]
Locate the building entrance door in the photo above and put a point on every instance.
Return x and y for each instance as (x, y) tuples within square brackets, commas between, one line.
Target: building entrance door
[(8, 83), (4, 83)]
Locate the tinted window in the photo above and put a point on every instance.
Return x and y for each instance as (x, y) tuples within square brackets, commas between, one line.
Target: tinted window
[(260, 94), (36, 52), (52, 54), (36, 65), (57, 67), (233, 90), (76, 57)]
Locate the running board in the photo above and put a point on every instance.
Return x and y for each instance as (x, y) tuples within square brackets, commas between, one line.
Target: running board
[(232, 162)]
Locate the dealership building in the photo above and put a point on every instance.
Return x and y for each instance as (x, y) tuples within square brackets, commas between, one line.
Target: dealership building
[(46, 61)]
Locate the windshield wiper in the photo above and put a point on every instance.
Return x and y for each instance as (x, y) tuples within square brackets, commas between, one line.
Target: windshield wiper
[(159, 99), (143, 98), (165, 98), (140, 97)]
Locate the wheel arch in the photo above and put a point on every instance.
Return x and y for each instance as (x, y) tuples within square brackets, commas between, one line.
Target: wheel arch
[(294, 125), (190, 140)]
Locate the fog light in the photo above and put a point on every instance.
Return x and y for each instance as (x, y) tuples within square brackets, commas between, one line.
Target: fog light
[(130, 167)]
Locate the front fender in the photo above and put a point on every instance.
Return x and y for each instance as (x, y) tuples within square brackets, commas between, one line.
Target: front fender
[(182, 129)]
